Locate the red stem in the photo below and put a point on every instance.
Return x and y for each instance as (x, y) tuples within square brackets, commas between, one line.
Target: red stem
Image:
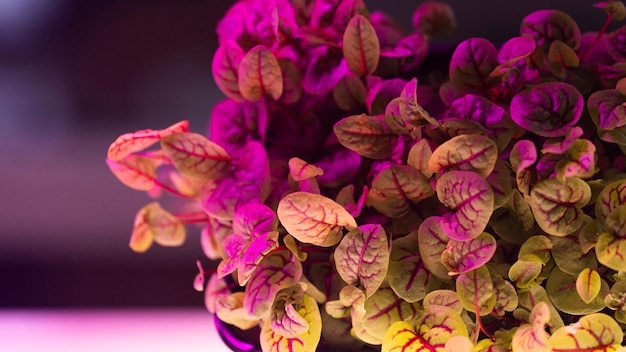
[(171, 190), (597, 38), (192, 218)]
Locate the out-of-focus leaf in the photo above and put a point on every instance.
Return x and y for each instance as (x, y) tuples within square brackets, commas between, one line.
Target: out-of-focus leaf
[(470, 198), (560, 58), (616, 44), (129, 143), (532, 337), (292, 77), (514, 221), (301, 170), (468, 152), (462, 256), (418, 157), (349, 93), (546, 26), (325, 68), (614, 8), (547, 109), (471, 63), (434, 18), (536, 249), (476, 292), (307, 341), (259, 74), (616, 300), (367, 135), (605, 108), (561, 288), (196, 157), (446, 298), (569, 256), (514, 50), (362, 257), (134, 171), (229, 309), (557, 205), (153, 223), (432, 242), (615, 223), (407, 274), (535, 294), (339, 167), (381, 92), (397, 188), (254, 220), (234, 124), (225, 68), (360, 46), (594, 332), (500, 181), (312, 218), (276, 271)]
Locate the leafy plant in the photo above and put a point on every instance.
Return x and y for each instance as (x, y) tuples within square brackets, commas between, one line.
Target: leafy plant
[(352, 197)]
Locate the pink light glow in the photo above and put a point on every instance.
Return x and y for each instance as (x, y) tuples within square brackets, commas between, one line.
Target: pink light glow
[(108, 330)]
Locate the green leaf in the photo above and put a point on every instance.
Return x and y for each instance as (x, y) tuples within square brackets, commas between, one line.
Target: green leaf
[(438, 324), (594, 332), (470, 198), (615, 223), (561, 288), (384, 308), (616, 300), (418, 157), (468, 152), (607, 113), (569, 257), (610, 251), (362, 257), (446, 298), (475, 290), (515, 214), (580, 161), (307, 341), (535, 294), (370, 136), (349, 93), (259, 75), (588, 285), (360, 46), (432, 242), (397, 188), (547, 109), (536, 249), (557, 205), (407, 274), (500, 181), (560, 58), (462, 256), (532, 337), (197, 157), (546, 26), (524, 273), (313, 218), (612, 196), (411, 112), (506, 295)]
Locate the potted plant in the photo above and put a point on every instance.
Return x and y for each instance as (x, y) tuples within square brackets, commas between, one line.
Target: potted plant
[(355, 197)]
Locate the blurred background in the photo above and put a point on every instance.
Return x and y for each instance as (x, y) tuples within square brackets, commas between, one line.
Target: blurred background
[(75, 74)]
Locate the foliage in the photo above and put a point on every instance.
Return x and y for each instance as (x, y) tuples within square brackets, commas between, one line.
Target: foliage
[(351, 197)]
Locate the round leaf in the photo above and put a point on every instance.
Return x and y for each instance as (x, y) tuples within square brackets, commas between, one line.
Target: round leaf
[(594, 332), (401, 336), (367, 135), (462, 256), (397, 188), (362, 257), (313, 218), (308, 341), (536, 249), (225, 68), (384, 308), (439, 324), (418, 157), (432, 242), (547, 109), (615, 223), (612, 196), (610, 251), (580, 161), (475, 290), (446, 298), (196, 157), (259, 74), (562, 290), (471, 63), (360, 46), (546, 26), (467, 152), (569, 256), (588, 285), (557, 205), (153, 223), (524, 273), (471, 199)]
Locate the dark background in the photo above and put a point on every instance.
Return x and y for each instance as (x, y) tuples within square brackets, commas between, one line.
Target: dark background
[(75, 74)]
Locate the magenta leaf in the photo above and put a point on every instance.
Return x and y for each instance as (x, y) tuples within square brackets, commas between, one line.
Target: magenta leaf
[(234, 245), (292, 77), (346, 10), (225, 65), (254, 220), (434, 18), (547, 109), (258, 248), (324, 69), (367, 135), (546, 26), (212, 237), (381, 92), (397, 188), (616, 44), (470, 65), (234, 124), (275, 272), (514, 50), (405, 56), (606, 109), (462, 256), (495, 119), (362, 257), (560, 144), (388, 30), (470, 198), (340, 166)]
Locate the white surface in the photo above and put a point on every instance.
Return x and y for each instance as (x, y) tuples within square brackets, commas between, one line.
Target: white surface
[(108, 331)]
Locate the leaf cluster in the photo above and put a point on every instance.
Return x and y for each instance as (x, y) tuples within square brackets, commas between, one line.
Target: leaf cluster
[(354, 198)]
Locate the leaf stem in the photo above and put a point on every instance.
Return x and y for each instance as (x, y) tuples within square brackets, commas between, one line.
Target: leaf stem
[(192, 218), (597, 38), (171, 190)]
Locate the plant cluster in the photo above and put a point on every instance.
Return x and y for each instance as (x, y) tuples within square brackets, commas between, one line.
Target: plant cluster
[(483, 209)]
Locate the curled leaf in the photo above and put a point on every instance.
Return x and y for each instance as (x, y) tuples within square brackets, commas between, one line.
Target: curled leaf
[(301, 170), (259, 74), (362, 257), (360, 46), (312, 218), (470, 198), (225, 68), (153, 223), (129, 143)]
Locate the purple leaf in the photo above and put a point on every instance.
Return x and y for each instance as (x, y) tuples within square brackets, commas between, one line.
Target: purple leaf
[(225, 67), (381, 92), (254, 253), (471, 63), (470, 198), (547, 109), (546, 26), (346, 11), (434, 18), (606, 109), (292, 77), (275, 272), (514, 50), (254, 220), (234, 124), (362, 257), (388, 30), (234, 245), (616, 44), (324, 69), (404, 57), (212, 238), (340, 166), (559, 145)]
